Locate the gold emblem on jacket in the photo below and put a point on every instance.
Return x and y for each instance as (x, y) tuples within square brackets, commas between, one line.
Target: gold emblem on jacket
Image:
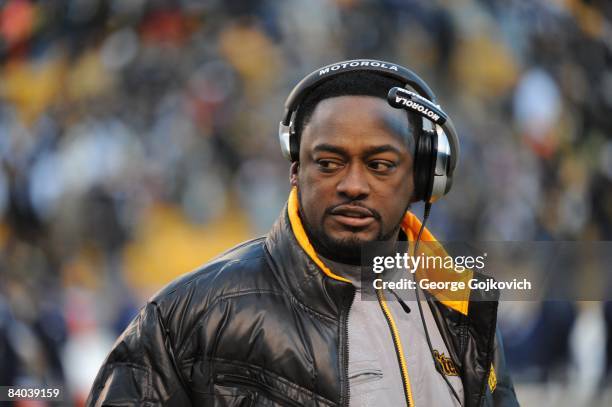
[(448, 366)]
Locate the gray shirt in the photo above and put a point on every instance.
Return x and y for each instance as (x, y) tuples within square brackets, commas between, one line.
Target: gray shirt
[(374, 373)]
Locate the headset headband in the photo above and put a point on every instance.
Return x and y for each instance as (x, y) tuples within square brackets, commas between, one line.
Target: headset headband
[(388, 69)]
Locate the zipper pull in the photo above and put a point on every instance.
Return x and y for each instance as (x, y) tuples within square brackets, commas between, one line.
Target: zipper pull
[(405, 306)]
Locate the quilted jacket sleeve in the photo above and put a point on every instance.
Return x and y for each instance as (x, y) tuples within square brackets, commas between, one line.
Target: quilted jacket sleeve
[(140, 369)]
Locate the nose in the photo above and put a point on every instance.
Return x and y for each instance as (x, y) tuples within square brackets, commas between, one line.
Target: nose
[(354, 184)]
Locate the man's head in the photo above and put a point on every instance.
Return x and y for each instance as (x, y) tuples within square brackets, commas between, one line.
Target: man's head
[(355, 169)]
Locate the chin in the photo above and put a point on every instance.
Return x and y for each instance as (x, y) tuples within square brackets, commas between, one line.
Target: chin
[(347, 237)]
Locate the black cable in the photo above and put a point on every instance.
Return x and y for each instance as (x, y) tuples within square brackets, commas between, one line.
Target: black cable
[(437, 364), (425, 217)]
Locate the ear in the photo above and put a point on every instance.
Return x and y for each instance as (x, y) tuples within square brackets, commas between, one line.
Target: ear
[(293, 173)]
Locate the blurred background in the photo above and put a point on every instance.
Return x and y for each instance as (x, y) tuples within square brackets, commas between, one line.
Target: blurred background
[(138, 139)]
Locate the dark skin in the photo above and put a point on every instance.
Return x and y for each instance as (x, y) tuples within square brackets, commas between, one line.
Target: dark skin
[(354, 175)]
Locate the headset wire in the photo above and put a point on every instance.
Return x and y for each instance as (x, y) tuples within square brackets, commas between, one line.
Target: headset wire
[(437, 364)]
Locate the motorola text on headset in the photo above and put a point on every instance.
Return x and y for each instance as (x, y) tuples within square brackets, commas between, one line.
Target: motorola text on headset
[(437, 144)]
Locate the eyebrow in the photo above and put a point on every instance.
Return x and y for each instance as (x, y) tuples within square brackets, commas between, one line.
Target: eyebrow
[(382, 149), (330, 148)]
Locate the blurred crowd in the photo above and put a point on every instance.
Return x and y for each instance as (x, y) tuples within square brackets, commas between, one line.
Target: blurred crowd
[(138, 140)]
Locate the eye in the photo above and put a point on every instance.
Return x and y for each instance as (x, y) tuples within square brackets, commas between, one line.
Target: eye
[(381, 166), (329, 165)]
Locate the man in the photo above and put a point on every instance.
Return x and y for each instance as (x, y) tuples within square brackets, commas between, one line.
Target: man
[(276, 320)]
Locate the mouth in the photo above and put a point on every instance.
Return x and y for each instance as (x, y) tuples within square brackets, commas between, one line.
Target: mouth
[(353, 216)]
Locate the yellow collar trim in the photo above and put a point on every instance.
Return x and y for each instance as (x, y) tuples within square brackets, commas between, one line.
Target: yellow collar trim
[(300, 235), (410, 224)]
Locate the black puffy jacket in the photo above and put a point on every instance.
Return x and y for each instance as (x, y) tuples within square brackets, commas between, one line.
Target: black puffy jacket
[(265, 325)]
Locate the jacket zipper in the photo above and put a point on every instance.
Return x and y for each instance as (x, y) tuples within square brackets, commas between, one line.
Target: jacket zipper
[(267, 390), (347, 387), (399, 352)]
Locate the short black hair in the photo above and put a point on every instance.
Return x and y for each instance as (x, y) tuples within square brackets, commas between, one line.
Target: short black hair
[(354, 83)]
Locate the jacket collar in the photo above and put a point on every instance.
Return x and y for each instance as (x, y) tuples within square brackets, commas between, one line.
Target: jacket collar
[(318, 286)]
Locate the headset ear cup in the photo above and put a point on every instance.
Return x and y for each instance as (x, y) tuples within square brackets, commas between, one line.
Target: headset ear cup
[(294, 146), (423, 166)]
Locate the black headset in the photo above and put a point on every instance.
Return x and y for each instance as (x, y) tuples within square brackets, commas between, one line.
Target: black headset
[(437, 145)]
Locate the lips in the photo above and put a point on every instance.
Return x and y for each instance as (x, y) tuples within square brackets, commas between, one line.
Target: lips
[(353, 216)]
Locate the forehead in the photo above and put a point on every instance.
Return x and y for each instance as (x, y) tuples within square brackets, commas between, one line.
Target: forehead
[(356, 121)]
